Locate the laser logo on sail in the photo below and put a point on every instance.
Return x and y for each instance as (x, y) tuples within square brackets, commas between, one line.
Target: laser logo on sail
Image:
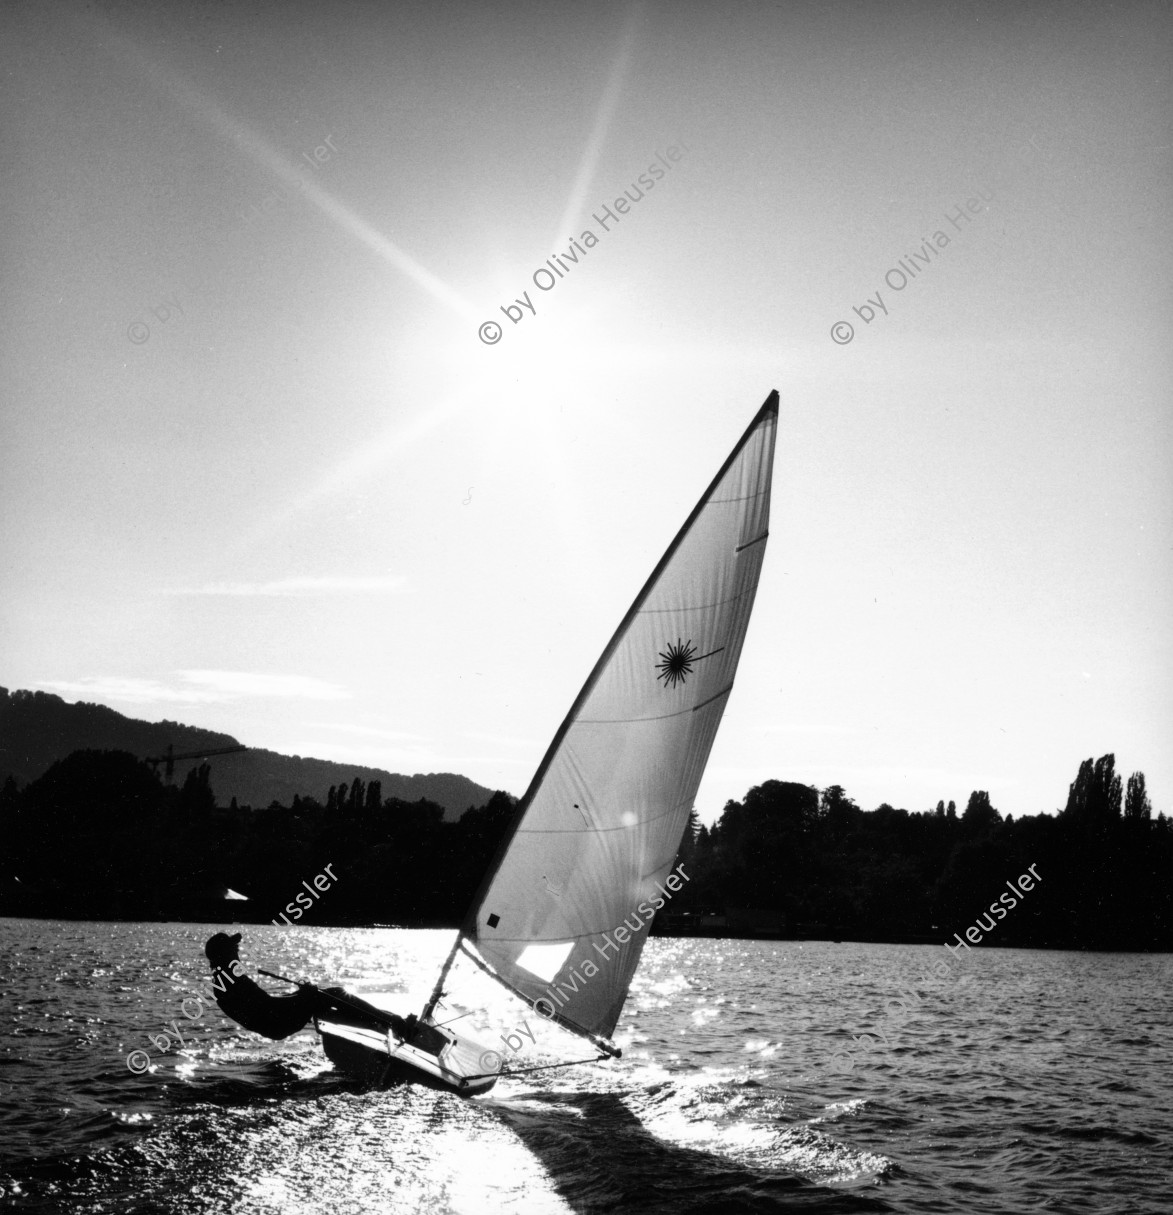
[(677, 660)]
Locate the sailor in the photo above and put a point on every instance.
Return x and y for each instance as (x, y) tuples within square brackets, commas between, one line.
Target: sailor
[(249, 1005), (246, 1002)]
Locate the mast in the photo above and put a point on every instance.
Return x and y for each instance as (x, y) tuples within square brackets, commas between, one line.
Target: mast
[(438, 990)]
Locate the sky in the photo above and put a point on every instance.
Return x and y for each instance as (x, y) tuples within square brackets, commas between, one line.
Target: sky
[(262, 472)]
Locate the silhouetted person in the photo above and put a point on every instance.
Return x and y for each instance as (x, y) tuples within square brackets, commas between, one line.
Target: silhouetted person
[(248, 1004)]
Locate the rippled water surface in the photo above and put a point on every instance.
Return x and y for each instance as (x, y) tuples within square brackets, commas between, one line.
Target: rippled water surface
[(756, 1076)]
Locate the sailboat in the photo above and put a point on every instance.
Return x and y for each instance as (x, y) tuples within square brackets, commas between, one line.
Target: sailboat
[(563, 913)]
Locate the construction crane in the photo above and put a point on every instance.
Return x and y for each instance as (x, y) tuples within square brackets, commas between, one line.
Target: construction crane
[(170, 759)]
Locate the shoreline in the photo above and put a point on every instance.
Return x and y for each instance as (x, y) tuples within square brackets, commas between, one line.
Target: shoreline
[(218, 916)]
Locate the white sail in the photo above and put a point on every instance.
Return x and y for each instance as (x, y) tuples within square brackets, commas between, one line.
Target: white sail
[(562, 918)]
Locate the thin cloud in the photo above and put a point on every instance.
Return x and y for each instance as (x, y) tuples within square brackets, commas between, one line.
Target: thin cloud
[(300, 587), (236, 684), (136, 691), (195, 687), (368, 731), (806, 727), (503, 740), (405, 758)]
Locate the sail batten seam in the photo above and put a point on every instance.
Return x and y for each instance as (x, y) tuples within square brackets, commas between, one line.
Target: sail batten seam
[(630, 721), (700, 607), (639, 822), (716, 696), (749, 544), (746, 498)]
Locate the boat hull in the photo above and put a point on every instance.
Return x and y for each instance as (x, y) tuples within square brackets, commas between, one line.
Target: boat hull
[(435, 1057)]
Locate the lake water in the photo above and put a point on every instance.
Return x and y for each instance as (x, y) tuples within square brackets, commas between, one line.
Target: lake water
[(1030, 1081)]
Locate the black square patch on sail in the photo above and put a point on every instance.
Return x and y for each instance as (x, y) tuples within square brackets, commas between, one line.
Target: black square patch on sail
[(493, 921)]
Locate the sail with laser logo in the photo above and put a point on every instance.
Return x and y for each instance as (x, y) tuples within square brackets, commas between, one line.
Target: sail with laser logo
[(563, 916)]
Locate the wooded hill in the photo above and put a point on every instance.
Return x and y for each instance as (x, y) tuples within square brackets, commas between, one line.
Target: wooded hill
[(37, 728), (100, 836)]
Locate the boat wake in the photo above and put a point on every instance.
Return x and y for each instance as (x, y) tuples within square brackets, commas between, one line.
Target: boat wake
[(688, 1140)]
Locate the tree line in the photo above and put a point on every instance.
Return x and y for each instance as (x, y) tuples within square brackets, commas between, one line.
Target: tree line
[(99, 836), (833, 870)]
